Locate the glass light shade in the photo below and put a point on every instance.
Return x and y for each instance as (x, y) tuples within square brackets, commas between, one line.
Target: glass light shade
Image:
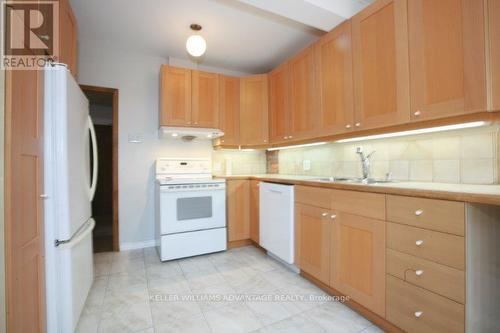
[(196, 45)]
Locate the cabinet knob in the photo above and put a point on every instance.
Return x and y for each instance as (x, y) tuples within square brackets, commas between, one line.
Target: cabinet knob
[(290, 137), (419, 212), (419, 242), (418, 314), (357, 124), (265, 140), (419, 272), (417, 113), (188, 122), (324, 214), (333, 217), (348, 126), (44, 196), (196, 123), (222, 140)]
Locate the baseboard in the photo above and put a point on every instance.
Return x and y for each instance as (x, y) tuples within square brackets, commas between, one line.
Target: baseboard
[(137, 245)]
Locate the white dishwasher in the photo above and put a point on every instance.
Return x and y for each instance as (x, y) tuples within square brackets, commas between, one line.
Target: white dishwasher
[(277, 220)]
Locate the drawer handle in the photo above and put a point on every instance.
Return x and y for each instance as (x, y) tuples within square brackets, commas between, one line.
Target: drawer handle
[(419, 212), (333, 217), (419, 272), (418, 314), (324, 214), (419, 242)]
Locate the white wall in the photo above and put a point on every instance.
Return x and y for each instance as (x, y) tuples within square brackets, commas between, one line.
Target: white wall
[(137, 78)]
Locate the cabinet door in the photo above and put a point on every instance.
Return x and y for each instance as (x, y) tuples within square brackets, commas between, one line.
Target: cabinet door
[(175, 96), (229, 102), (253, 110), (313, 230), (205, 99), (494, 53), (238, 210), (254, 210), (303, 95), (380, 60), (279, 126), (334, 75), (68, 36), (447, 60), (358, 260)]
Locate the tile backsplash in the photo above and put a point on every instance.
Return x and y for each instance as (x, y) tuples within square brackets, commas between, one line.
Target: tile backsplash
[(469, 156), (465, 156), (236, 162)]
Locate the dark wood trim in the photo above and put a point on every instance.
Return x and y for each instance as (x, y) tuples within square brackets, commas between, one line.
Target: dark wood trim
[(374, 318), (115, 93)]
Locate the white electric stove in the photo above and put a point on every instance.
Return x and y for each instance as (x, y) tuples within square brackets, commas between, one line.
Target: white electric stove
[(190, 208)]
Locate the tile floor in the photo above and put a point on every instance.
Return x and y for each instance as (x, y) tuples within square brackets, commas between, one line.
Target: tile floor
[(134, 292)]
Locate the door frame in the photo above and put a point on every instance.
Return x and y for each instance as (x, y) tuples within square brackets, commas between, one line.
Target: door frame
[(115, 93)]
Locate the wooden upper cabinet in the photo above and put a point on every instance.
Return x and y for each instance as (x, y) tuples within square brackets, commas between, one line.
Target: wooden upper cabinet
[(229, 107), (175, 96), (279, 111), (494, 54), (68, 37), (447, 59), (238, 210), (358, 260), (253, 110), (205, 99), (312, 243), (303, 95), (380, 63), (334, 75)]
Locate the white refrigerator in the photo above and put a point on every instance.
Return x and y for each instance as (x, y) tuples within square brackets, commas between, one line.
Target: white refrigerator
[(70, 184)]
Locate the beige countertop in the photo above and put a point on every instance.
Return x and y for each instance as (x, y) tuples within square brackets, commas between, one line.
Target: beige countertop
[(486, 194)]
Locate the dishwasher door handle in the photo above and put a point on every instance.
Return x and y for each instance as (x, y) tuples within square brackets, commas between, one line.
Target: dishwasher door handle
[(275, 191)]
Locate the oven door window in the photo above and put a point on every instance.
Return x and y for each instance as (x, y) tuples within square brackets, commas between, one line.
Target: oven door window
[(194, 208)]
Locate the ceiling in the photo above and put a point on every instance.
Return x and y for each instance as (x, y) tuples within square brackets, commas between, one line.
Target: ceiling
[(251, 36)]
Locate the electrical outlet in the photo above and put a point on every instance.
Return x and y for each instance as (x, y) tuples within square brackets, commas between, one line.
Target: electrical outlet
[(306, 165)]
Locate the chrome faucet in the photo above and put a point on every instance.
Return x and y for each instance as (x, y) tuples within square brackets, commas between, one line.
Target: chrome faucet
[(365, 162)]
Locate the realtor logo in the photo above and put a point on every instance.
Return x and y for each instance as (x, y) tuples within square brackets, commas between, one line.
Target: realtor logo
[(31, 34)]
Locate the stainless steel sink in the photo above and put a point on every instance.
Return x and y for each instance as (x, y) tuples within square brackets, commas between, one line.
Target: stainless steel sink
[(354, 180)]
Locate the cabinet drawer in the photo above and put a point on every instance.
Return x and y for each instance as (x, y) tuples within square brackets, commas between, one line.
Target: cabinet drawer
[(443, 280), (439, 215), (314, 196), (365, 204), (435, 246), (414, 309)]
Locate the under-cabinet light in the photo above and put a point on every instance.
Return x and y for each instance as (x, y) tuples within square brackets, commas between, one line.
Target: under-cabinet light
[(297, 146), (417, 131)]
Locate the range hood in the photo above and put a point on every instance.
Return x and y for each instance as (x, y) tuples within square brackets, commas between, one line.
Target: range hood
[(189, 133)]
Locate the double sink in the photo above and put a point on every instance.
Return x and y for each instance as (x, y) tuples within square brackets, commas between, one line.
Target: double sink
[(353, 180)]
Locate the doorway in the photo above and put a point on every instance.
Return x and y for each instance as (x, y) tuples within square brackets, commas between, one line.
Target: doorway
[(103, 109)]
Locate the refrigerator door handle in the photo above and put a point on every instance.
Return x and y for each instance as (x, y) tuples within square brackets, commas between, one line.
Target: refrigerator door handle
[(66, 244), (93, 138)]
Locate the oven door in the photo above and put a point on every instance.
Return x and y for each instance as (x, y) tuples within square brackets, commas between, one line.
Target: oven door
[(191, 210)]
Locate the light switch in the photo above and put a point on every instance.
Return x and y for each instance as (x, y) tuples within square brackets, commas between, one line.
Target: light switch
[(306, 165)]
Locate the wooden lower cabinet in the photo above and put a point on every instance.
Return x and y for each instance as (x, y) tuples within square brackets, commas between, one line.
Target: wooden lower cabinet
[(238, 210), (313, 232), (358, 260), (254, 211)]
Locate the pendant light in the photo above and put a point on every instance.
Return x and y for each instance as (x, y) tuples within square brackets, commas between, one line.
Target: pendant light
[(196, 44)]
